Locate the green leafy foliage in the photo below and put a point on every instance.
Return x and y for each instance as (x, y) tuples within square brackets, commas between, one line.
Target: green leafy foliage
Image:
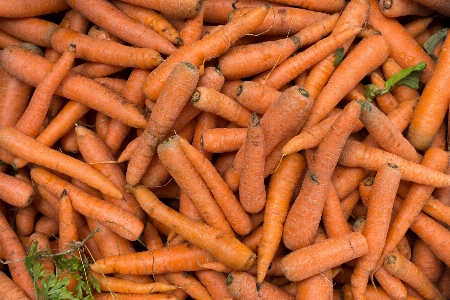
[(338, 56), (408, 76), (433, 41), (52, 286)]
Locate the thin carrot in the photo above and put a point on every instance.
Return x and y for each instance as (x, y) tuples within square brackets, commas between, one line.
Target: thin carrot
[(205, 49), (327, 254), (113, 296), (443, 282), (376, 226), (401, 92), (442, 8), (252, 191), (407, 271), (324, 6), (190, 284), (309, 203), (432, 106), (25, 219), (295, 65), (333, 218), (245, 61), (280, 192), (399, 8), (192, 29), (417, 26), (233, 211), (176, 93)]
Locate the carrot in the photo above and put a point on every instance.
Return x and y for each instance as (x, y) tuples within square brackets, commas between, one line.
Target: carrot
[(7, 39), (271, 53), (214, 282), (399, 8), (402, 46), (179, 87), (295, 65), (331, 252), (241, 285), (415, 199), (349, 74), (33, 30), (16, 9), (13, 250), (225, 248), (424, 258), (386, 101), (15, 191), (407, 271), (112, 53), (218, 140), (442, 283), (122, 26), (356, 154), (255, 96), (401, 92), (285, 116), (10, 289), (333, 218), (71, 86), (47, 226), (376, 226), (233, 211), (173, 157), (94, 151), (114, 217), (442, 8), (309, 203), (210, 46), (25, 220), (151, 19), (192, 29), (417, 26), (252, 192), (190, 284), (429, 113)]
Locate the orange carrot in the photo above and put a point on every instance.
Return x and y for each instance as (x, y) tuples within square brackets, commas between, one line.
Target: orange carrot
[(214, 282), (295, 65), (252, 192), (218, 140), (310, 201), (376, 226), (256, 96), (205, 49), (190, 284), (25, 219), (400, 92), (33, 30), (424, 258), (225, 248), (15, 191), (327, 254), (10, 290), (192, 29), (442, 8), (281, 189), (179, 87), (333, 218), (398, 8), (325, 6), (415, 27)]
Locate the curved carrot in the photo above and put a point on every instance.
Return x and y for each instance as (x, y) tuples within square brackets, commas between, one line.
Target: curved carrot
[(333, 218), (176, 93), (279, 194), (208, 47), (224, 247)]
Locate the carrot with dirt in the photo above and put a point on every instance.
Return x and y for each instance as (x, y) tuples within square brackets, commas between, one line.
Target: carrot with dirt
[(16, 60), (177, 163), (252, 191), (432, 106), (229, 204), (284, 117), (224, 247), (151, 19), (281, 189), (399, 8), (295, 65), (210, 46), (256, 96), (176, 93), (193, 27), (308, 206), (105, 51), (376, 226), (365, 57), (248, 60), (10, 289)]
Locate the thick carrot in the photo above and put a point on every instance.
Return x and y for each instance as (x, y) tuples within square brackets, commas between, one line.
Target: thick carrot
[(252, 191), (376, 226), (242, 285), (295, 65), (225, 248), (105, 51), (10, 289), (432, 106), (402, 46), (176, 93), (25, 219), (15, 60), (399, 8), (210, 46), (15, 191), (33, 30), (281, 188), (218, 140), (408, 272), (214, 282), (190, 181), (308, 206), (324, 255), (233, 211), (256, 96), (247, 60), (366, 56), (425, 259)]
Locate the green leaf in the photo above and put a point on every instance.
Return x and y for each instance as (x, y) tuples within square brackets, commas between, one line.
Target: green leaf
[(433, 41), (339, 56), (408, 76), (370, 91)]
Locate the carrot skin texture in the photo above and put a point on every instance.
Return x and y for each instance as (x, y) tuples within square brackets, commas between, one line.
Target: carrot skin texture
[(225, 248), (31, 150), (32, 69), (15, 191), (324, 255)]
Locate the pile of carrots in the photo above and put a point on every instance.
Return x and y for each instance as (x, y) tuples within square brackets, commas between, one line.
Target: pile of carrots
[(222, 149)]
